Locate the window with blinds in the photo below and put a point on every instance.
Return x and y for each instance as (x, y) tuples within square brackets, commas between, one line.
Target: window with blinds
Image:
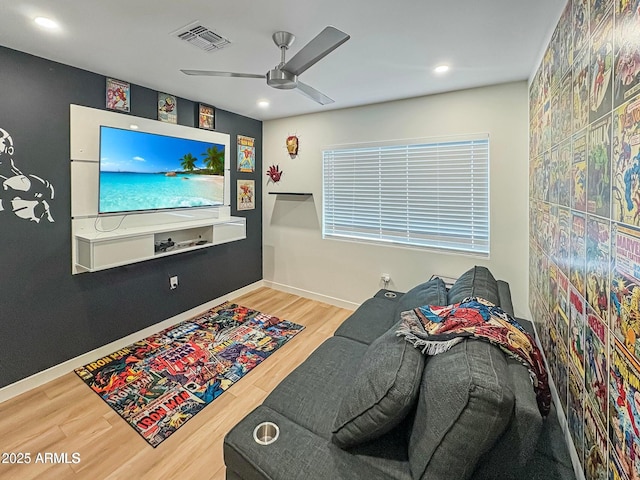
[(428, 194)]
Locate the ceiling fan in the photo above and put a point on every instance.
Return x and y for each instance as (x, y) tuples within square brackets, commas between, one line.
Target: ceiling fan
[(285, 74)]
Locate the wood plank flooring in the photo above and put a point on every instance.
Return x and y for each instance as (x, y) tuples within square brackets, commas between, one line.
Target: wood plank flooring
[(65, 416)]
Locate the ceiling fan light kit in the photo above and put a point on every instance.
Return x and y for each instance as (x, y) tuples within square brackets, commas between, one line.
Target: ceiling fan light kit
[(284, 76)]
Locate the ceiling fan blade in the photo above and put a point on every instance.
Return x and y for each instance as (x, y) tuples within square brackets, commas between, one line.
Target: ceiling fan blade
[(326, 42), (313, 94), (210, 73)]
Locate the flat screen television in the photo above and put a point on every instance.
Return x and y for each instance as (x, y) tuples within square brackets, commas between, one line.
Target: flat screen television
[(141, 171)]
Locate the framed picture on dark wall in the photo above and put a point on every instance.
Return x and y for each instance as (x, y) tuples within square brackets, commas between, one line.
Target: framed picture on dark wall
[(118, 95), (167, 108), (206, 116), (246, 154), (246, 194)]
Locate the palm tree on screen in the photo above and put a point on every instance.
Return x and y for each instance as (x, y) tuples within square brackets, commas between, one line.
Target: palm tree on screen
[(188, 162), (214, 160)]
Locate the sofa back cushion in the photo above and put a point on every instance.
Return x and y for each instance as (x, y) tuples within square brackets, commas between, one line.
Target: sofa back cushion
[(476, 282), (383, 392), (465, 403), (505, 297), (433, 292), (519, 442), (388, 378)]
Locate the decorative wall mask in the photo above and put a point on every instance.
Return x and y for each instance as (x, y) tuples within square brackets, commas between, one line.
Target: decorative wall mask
[(292, 145), (274, 173), (27, 196)]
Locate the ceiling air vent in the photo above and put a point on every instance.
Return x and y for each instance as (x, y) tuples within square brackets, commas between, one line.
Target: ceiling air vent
[(202, 37)]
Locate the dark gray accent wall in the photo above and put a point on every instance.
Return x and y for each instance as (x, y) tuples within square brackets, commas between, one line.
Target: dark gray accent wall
[(47, 315)]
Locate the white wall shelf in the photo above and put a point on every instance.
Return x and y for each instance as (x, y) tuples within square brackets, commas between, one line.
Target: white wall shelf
[(291, 193), (99, 250)]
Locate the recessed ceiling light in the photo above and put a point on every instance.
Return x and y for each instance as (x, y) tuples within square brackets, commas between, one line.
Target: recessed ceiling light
[(133, 126), (441, 68), (263, 103), (46, 23)]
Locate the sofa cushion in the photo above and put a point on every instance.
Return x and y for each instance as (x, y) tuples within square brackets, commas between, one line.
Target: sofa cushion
[(433, 292), (465, 403), (378, 314), (374, 317), (308, 395), (383, 392), (476, 282), (504, 291), (298, 454), (519, 441)]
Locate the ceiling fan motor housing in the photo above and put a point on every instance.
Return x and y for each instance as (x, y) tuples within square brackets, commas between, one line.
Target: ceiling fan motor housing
[(281, 79)]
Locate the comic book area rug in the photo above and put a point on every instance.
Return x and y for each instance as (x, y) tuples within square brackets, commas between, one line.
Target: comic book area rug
[(159, 383)]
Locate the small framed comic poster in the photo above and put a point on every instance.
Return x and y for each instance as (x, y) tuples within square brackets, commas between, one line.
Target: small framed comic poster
[(118, 95), (246, 154), (206, 117), (246, 194), (167, 108)]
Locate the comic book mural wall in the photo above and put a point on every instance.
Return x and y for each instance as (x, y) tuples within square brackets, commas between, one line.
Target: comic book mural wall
[(585, 228)]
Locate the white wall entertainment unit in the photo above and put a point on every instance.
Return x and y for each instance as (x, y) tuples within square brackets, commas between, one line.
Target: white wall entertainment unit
[(105, 241), (98, 250)]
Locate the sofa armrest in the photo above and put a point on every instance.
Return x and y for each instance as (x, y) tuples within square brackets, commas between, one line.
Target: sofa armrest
[(297, 453)]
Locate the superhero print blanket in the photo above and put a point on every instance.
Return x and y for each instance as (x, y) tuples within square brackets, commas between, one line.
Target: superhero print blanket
[(435, 329)]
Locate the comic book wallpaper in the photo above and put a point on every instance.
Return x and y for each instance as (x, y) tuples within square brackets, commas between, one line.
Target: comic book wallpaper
[(161, 382), (584, 277)]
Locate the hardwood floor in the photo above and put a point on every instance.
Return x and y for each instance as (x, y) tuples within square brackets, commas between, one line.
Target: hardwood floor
[(65, 416)]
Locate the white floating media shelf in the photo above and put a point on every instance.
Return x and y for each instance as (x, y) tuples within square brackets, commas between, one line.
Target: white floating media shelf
[(99, 241), (96, 250)]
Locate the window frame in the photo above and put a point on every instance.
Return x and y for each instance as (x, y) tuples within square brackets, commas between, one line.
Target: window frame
[(478, 147)]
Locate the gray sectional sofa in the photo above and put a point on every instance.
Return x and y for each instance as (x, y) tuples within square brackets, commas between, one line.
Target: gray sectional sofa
[(368, 405)]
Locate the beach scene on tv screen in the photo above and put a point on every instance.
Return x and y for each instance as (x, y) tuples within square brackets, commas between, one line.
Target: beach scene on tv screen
[(146, 171)]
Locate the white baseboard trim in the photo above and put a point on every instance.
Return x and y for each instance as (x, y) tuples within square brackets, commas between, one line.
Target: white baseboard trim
[(61, 369), (338, 302)]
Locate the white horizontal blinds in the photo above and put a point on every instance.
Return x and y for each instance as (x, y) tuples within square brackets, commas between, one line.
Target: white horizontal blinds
[(432, 194)]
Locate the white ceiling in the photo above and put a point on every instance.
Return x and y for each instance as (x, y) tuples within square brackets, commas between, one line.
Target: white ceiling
[(391, 54)]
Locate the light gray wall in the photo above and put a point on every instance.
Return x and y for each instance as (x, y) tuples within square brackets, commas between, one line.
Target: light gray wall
[(296, 256)]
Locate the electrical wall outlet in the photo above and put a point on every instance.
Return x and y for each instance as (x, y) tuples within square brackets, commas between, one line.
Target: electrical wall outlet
[(385, 277), (173, 282)]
